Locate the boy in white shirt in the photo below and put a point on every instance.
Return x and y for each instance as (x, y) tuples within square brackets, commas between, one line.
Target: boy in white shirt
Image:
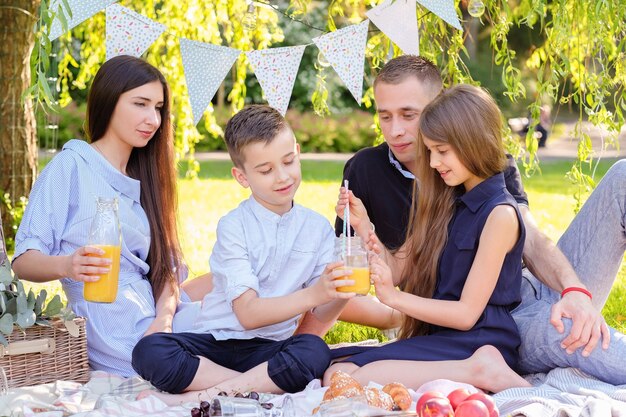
[(272, 262)]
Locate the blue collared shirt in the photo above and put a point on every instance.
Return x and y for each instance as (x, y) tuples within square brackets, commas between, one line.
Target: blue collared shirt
[(61, 206), (271, 254)]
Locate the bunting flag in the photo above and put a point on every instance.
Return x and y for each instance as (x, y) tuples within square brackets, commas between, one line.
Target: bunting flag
[(276, 70), (444, 9), (398, 20), (344, 49), (205, 67), (128, 32), (81, 11)]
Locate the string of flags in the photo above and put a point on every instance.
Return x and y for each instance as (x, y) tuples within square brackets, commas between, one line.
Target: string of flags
[(206, 65)]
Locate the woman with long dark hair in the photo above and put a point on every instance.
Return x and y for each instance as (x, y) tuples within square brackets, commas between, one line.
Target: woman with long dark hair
[(130, 157)]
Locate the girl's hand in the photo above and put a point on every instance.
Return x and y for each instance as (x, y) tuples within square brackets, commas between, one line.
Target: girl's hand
[(374, 244), (334, 276), (380, 273), (359, 219), (85, 264)]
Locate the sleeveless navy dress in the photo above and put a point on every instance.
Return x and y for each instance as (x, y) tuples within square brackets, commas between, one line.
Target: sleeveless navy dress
[(496, 325)]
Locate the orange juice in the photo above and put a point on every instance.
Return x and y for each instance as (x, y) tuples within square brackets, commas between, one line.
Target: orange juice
[(361, 277), (105, 289)]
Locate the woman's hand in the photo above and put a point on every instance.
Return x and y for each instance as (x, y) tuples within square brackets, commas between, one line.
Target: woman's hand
[(380, 273), (85, 264), (359, 219)]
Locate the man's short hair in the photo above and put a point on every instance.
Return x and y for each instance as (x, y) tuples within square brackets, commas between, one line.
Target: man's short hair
[(402, 67), (254, 123)]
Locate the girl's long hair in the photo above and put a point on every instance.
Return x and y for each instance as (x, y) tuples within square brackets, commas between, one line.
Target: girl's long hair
[(153, 165), (467, 118)]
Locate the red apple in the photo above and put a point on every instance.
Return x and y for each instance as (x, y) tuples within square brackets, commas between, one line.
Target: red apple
[(471, 408), (437, 407), (457, 396), (425, 397), (488, 401)]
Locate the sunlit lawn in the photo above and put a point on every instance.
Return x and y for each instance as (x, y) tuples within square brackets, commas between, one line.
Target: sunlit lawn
[(204, 200)]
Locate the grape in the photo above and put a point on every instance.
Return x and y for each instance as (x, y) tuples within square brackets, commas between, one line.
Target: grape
[(254, 395), (238, 395), (267, 406), (395, 407), (196, 412), (222, 394)]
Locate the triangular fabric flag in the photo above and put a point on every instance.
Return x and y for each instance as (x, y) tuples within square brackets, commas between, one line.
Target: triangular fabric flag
[(276, 70), (81, 11), (345, 51), (398, 20), (444, 9), (129, 33), (205, 67)]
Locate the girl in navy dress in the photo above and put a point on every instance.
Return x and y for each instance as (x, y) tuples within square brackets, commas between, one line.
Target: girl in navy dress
[(130, 157), (459, 269)]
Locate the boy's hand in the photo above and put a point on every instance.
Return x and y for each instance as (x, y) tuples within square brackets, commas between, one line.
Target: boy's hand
[(330, 280), (380, 274), (359, 219)]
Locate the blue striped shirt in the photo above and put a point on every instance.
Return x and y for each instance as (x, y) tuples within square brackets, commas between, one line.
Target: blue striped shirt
[(61, 206), (273, 255)]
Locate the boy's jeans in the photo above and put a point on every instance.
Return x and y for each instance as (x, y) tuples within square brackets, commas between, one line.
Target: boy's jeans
[(594, 244)]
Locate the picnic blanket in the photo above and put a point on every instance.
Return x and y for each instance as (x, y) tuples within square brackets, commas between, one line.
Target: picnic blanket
[(559, 393)]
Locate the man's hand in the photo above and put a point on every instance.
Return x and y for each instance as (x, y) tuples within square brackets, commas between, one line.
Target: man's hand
[(588, 325)]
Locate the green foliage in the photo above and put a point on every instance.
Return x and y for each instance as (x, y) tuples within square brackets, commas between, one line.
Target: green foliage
[(573, 54), (21, 309), (15, 210)]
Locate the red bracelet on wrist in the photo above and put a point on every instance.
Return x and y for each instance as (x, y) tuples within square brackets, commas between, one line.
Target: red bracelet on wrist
[(578, 289)]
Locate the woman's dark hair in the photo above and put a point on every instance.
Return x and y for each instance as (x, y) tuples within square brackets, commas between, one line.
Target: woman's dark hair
[(153, 165)]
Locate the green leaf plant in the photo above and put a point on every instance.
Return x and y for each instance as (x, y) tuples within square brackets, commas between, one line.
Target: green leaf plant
[(19, 310)]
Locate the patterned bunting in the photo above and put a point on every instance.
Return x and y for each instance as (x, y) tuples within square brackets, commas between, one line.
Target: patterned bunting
[(398, 20), (345, 50), (81, 11), (128, 32), (444, 9), (276, 70), (205, 67)]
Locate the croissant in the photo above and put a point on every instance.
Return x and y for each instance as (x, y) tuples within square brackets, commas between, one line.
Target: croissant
[(379, 399), (399, 394), (343, 385)]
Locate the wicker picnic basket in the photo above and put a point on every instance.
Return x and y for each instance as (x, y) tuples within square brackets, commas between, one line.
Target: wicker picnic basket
[(42, 354)]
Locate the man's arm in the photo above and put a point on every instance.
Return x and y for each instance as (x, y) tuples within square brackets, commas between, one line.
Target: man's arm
[(546, 262)]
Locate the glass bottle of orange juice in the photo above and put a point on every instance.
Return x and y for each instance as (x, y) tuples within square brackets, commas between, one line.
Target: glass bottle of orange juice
[(353, 253), (105, 234)]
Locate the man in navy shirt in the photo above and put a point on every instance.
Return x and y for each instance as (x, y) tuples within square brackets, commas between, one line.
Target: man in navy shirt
[(559, 324)]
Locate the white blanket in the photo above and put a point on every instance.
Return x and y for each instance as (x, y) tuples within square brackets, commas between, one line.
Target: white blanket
[(560, 393)]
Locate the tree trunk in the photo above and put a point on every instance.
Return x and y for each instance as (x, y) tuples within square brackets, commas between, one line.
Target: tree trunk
[(18, 141)]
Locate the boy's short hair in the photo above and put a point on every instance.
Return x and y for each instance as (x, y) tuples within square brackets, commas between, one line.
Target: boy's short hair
[(402, 67), (254, 123)]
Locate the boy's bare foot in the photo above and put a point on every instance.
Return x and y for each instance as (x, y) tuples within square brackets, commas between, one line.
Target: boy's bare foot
[(492, 372)]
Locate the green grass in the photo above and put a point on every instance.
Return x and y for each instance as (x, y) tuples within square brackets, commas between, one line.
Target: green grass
[(205, 199)]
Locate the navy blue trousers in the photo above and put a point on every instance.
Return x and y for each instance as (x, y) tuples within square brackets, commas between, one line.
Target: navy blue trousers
[(169, 361)]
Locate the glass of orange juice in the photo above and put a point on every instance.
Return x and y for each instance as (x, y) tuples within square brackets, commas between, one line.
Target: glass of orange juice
[(105, 234), (353, 253)]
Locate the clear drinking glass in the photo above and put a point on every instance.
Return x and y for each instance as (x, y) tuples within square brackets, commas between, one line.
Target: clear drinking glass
[(105, 234), (353, 252), (246, 407)]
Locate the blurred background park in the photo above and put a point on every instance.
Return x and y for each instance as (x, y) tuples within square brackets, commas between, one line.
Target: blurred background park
[(566, 55)]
